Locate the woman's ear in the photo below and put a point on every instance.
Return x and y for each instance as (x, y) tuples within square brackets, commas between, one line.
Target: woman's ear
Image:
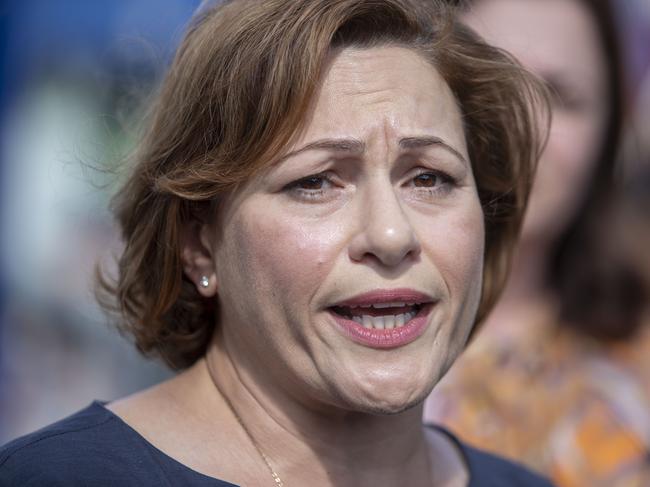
[(197, 257)]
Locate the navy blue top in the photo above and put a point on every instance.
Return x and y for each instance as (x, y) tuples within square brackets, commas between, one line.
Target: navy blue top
[(95, 447)]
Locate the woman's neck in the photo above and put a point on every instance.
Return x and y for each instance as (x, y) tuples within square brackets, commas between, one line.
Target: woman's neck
[(320, 445)]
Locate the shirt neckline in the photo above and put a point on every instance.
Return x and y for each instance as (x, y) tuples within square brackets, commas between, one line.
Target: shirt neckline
[(101, 405)]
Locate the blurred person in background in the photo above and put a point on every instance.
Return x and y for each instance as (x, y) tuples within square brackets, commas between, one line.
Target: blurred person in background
[(571, 394)]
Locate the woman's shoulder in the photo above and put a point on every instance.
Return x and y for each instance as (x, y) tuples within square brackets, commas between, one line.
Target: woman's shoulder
[(90, 447), (489, 470), (66, 450)]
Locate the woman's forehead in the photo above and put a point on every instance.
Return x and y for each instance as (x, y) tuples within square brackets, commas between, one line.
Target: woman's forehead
[(390, 90)]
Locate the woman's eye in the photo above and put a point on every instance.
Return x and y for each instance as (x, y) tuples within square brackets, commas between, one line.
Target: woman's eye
[(312, 183), (432, 183), (432, 180), (314, 187), (427, 180)]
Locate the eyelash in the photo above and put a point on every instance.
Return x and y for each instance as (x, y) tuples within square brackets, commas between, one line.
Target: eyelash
[(445, 184), (309, 194)]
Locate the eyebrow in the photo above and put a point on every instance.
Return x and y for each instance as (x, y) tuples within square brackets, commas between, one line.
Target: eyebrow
[(355, 146), (427, 141), (352, 146)]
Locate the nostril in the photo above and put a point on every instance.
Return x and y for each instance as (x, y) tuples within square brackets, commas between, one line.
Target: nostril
[(389, 248), (386, 234)]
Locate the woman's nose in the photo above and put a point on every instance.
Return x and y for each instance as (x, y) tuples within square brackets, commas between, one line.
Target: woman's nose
[(385, 232)]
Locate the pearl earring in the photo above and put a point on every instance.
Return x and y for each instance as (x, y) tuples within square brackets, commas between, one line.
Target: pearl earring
[(205, 282)]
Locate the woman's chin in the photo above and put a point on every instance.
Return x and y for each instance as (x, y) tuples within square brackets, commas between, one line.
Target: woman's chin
[(385, 395), (386, 408), (388, 404)]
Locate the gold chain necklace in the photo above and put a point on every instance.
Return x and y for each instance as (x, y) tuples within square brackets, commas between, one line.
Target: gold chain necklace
[(276, 477)]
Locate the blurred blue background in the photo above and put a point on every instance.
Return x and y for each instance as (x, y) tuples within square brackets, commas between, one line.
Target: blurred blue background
[(74, 75), (73, 78)]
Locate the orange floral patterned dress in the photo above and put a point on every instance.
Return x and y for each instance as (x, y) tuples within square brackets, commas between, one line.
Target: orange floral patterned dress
[(574, 410)]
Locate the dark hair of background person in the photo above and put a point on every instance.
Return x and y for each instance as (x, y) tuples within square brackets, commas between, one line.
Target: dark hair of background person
[(236, 94), (574, 278), (569, 274), (612, 273)]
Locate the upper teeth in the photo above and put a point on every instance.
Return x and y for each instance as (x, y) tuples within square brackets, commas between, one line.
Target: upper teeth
[(384, 322), (397, 304)]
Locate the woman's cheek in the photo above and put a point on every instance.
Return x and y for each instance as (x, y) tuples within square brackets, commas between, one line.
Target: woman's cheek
[(458, 253), (457, 237), (464, 267), (292, 253)]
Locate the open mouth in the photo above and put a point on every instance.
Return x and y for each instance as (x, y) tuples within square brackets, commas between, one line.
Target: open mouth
[(382, 316)]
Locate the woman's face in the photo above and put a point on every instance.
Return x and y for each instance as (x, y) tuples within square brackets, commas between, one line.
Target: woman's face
[(349, 273), (558, 41)]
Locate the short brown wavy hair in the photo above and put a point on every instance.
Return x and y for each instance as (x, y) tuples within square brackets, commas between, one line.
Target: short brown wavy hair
[(234, 96)]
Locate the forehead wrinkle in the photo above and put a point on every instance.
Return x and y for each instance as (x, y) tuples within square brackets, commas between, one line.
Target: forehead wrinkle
[(388, 132), (352, 83), (377, 95)]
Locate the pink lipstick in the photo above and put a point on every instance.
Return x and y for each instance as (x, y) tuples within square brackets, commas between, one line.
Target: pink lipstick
[(383, 319)]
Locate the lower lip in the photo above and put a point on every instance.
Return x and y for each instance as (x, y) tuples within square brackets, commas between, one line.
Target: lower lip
[(384, 339)]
